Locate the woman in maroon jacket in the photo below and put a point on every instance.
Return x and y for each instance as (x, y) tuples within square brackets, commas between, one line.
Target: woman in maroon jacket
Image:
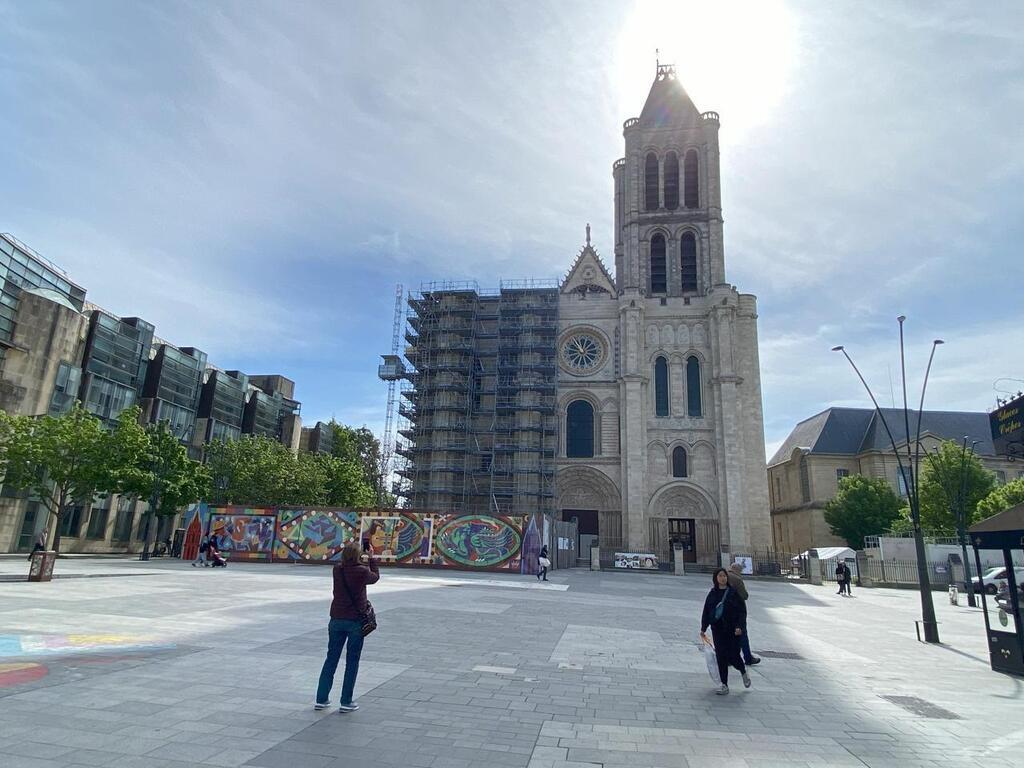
[(356, 570)]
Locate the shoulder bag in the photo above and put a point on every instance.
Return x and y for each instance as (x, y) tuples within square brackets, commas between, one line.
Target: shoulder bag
[(367, 618), (720, 608)]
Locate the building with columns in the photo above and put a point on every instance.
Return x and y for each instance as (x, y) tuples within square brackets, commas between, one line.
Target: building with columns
[(661, 360), (654, 434)]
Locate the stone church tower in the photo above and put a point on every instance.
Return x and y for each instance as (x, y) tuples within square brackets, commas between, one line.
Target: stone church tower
[(659, 387)]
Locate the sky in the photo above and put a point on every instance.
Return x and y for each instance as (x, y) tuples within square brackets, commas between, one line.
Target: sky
[(255, 178)]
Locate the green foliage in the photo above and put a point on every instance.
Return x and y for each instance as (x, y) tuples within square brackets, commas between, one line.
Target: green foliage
[(941, 493), (358, 445), (864, 506), (61, 461), (1003, 497), (257, 470)]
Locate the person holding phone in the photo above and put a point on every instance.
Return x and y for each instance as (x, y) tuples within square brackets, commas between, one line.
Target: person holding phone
[(351, 577)]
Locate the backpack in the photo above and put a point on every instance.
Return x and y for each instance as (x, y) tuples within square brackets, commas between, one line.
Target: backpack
[(720, 608)]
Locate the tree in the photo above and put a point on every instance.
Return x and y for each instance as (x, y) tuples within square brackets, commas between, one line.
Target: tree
[(360, 445), (1003, 497), (942, 473), (258, 470), (864, 506), (168, 478), (61, 461), (346, 485), (251, 470)]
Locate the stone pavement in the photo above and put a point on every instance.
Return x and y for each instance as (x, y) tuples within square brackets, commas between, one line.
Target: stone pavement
[(174, 666)]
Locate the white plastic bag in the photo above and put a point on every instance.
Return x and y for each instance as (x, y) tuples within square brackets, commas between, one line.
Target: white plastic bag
[(544, 562), (710, 659)]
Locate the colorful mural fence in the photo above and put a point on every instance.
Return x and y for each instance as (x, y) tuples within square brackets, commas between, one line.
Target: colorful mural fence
[(244, 533), (314, 535), (508, 543)]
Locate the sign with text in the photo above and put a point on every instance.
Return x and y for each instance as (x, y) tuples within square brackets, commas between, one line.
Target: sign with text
[(634, 560), (1008, 428)]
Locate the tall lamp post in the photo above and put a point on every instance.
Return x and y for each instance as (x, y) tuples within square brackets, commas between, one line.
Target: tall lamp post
[(961, 520), (909, 473)]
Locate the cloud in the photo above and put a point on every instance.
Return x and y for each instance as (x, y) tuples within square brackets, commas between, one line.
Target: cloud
[(255, 177)]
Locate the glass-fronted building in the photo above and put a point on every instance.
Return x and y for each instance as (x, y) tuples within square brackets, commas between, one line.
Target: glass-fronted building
[(171, 390), (115, 363), (222, 406), (22, 268)]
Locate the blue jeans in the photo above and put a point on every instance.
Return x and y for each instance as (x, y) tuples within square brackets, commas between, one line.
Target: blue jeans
[(745, 645), (338, 631)]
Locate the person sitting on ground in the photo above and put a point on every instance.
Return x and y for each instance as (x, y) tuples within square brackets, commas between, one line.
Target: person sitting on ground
[(736, 582)]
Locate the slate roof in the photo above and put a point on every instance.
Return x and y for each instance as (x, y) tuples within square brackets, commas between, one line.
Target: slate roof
[(668, 103), (853, 431)]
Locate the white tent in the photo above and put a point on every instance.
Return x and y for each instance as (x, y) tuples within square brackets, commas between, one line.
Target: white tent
[(830, 553)]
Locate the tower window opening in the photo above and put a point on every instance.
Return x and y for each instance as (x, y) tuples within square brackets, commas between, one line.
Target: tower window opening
[(651, 184), (671, 181), (688, 262), (661, 387), (679, 462), (579, 430), (659, 273), (694, 406), (691, 186)]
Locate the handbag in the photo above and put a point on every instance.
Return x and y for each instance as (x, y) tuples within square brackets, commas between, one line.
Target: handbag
[(544, 562), (720, 608), (367, 618), (710, 659)]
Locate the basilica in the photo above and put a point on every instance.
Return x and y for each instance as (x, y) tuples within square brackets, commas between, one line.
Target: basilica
[(626, 401), (659, 385)]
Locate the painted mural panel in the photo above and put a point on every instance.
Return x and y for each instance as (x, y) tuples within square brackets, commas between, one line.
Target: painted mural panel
[(403, 538), (195, 522), (314, 535), (478, 541), (243, 533)]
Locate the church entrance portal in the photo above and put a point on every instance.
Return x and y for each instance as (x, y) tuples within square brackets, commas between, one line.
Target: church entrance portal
[(587, 531)]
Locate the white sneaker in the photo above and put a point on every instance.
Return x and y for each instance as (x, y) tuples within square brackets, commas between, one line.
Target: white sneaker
[(318, 706), (345, 708), (746, 680), (723, 691)]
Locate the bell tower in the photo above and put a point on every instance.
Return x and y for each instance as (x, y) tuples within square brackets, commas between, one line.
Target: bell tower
[(668, 201)]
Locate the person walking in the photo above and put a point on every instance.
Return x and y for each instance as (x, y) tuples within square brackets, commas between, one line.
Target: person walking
[(725, 612), (843, 576), (544, 563), (351, 577), (201, 555), (40, 545), (736, 582)]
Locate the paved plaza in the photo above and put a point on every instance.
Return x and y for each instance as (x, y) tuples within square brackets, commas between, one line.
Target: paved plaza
[(122, 663)]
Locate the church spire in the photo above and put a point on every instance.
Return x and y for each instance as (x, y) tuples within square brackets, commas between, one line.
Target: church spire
[(588, 234)]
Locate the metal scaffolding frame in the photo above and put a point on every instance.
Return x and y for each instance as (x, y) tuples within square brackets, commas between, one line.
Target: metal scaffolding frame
[(479, 418)]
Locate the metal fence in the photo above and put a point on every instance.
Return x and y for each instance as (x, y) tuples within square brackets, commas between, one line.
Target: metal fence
[(872, 572), (774, 562)]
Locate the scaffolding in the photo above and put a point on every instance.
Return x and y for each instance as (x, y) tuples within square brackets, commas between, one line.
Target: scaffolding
[(479, 419)]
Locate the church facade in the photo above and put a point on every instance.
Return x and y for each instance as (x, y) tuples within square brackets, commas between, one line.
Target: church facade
[(661, 439)]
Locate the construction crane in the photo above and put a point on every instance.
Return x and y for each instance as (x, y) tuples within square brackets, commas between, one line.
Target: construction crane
[(392, 371)]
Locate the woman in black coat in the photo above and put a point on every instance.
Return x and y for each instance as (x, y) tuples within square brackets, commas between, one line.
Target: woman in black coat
[(726, 629)]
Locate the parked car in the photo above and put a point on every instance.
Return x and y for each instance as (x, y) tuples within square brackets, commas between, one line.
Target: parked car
[(991, 578)]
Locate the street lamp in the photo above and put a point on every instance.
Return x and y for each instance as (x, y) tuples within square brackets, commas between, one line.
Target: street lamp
[(961, 520), (910, 477)]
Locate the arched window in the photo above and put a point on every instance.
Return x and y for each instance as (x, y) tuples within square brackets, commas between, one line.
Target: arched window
[(659, 275), (671, 181), (579, 430), (691, 188), (651, 182), (661, 387), (693, 396), (688, 262), (679, 462)]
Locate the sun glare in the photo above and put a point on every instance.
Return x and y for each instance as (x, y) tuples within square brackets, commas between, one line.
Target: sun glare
[(732, 57)]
